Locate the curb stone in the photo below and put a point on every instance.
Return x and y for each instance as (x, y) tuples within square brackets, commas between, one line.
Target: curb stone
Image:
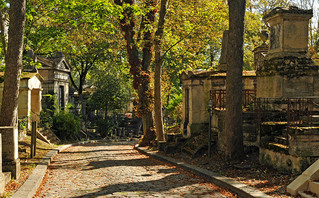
[(234, 186), (31, 185)]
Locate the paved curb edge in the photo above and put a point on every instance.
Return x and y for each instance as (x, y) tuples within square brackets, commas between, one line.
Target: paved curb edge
[(31, 185), (234, 186)]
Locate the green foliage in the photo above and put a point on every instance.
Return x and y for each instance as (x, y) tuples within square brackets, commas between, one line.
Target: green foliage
[(23, 122), (174, 106), (49, 108), (194, 29), (112, 88), (65, 125), (104, 126), (62, 122)]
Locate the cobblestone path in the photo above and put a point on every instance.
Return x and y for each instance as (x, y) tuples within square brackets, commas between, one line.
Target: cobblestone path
[(117, 170)]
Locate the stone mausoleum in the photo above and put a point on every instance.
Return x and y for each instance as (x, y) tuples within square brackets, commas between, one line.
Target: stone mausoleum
[(30, 95), (281, 97), (287, 70), (287, 93), (55, 72)]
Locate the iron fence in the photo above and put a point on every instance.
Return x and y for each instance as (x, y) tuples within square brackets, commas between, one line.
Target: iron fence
[(219, 98), (293, 111)]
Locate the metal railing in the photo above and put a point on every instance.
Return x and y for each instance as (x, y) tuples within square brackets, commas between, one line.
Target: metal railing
[(301, 111), (219, 98), (294, 111)]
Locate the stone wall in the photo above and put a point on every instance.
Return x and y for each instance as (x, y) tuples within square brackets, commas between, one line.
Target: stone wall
[(304, 144), (283, 162), (198, 97)]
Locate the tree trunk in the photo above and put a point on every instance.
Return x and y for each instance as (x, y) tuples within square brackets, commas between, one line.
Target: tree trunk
[(141, 69), (147, 93), (158, 73), (233, 120), (4, 33), (9, 107)]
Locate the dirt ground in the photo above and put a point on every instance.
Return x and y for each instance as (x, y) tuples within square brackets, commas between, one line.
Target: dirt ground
[(249, 172)]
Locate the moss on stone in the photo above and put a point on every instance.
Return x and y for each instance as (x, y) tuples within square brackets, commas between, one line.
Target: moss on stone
[(289, 66)]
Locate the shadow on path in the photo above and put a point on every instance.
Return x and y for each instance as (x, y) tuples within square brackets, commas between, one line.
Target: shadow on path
[(129, 162), (147, 188)]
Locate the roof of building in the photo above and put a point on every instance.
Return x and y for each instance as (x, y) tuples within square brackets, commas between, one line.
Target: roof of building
[(26, 75), (287, 10), (206, 74), (58, 62)]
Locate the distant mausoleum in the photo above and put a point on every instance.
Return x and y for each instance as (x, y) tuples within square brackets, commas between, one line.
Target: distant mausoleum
[(55, 72)]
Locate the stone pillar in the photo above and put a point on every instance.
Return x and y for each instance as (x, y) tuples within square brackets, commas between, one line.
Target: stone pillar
[(11, 161), (287, 70), (223, 56), (2, 180)]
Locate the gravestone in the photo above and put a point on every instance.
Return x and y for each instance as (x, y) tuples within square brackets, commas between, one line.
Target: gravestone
[(10, 158), (287, 70)]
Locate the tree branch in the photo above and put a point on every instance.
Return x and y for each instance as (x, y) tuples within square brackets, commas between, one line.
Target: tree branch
[(177, 43)]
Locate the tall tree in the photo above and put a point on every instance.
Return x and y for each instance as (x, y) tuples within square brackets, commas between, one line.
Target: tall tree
[(140, 67), (234, 148), (158, 72), (112, 85), (81, 29), (13, 58), (192, 40)]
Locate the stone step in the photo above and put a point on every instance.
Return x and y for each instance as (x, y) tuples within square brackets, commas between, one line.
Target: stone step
[(42, 137), (315, 118), (7, 177), (198, 151), (306, 195), (188, 151), (314, 187), (281, 140), (49, 135)]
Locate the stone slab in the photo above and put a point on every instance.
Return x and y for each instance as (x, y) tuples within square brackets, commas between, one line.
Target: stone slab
[(9, 143), (2, 182), (299, 184), (304, 145), (313, 170), (282, 161), (7, 177), (314, 187)]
